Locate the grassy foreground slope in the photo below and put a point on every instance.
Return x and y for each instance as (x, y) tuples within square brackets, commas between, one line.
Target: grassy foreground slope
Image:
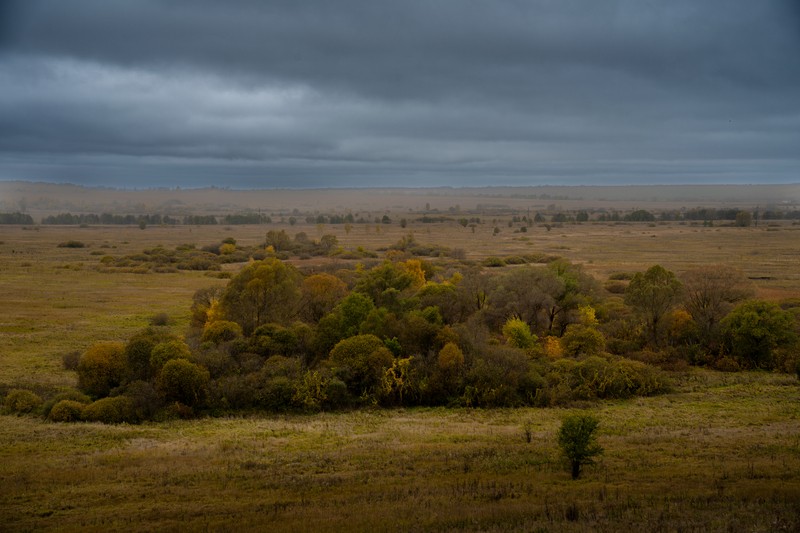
[(721, 453)]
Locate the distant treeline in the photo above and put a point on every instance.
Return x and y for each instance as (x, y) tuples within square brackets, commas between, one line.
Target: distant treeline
[(156, 219), (108, 219), (730, 214), (15, 218), (639, 215)]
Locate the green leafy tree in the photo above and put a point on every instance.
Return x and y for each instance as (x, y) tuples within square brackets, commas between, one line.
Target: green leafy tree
[(518, 334), (653, 294), (578, 442), (755, 329), (138, 350), (264, 291), (167, 351), (361, 362), (352, 311), (185, 382), (581, 340), (386, 284)]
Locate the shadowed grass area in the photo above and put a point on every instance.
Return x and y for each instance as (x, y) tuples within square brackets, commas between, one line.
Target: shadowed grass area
[(721, 453)]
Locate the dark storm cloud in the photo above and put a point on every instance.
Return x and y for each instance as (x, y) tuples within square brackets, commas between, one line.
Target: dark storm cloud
[(413, 93)]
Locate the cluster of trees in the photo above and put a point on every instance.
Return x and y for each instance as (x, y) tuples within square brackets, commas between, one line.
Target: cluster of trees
[(406, 332), (108, 219), (212, 256), (15, 218), (708, 316), (198, 220)]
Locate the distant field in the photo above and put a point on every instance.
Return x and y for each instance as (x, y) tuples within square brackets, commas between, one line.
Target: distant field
[(720, 453), (44, 199)]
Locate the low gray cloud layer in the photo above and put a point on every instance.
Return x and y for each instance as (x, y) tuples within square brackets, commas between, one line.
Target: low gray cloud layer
[(411, 93)]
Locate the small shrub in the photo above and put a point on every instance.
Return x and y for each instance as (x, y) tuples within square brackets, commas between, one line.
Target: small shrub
[(727, 364), (621, 276), (71, 244), (21, 401), (113, 410), (66, 411), (336, 394), (160, 319), (70, 360), (494, 262), (71, 395), (615, 287)]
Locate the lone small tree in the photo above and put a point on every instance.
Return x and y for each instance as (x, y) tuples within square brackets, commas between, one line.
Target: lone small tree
[(578, 442)]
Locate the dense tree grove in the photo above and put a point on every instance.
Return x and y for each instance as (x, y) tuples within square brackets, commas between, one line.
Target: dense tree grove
[(410, 332)]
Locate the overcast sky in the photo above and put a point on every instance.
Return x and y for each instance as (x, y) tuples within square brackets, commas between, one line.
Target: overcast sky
[(322, 93)]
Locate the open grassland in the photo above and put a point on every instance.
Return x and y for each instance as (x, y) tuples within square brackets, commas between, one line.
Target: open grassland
[(721, 453)]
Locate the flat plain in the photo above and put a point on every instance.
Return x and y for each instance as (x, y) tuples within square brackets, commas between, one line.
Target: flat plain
[(721, 452)]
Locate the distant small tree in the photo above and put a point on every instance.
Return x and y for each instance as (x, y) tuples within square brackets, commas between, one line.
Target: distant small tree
[(578, 441), (744, 219)]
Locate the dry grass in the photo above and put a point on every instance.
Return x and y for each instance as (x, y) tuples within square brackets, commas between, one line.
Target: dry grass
[(721, 453)]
